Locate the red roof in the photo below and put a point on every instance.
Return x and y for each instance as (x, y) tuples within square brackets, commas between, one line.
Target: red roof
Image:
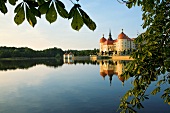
[(129, 38), (122, 36), (115, 41), (121, 78), (103, 74), (108, 42), (102, 40), (109, 72)]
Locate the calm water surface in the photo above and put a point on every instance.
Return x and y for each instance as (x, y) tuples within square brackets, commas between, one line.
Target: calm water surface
[(66, 88)]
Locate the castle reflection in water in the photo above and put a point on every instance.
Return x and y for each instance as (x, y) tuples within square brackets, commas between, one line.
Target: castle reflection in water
[(112, 68), (108, 68)]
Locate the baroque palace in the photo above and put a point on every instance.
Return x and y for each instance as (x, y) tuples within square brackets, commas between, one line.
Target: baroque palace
[(122, 45)]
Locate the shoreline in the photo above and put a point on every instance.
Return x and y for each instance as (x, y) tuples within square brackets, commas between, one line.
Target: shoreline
[(26, 58), (74, 58), (121, 58), (110, 57)]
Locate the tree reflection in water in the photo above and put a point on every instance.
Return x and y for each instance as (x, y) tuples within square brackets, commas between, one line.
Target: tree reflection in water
[(26, 64)]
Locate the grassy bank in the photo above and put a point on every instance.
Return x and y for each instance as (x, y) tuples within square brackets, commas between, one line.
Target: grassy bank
[(121, 58)]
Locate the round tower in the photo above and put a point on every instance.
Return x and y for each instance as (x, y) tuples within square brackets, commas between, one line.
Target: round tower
[(102, 40)]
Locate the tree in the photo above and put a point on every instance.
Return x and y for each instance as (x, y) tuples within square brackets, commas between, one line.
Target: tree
[(151, 58), (31, 9)]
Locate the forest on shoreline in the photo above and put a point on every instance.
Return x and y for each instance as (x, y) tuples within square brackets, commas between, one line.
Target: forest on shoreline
[(28, 53), (25, 52)]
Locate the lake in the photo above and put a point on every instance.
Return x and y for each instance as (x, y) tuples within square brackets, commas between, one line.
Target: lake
[(52, 86)]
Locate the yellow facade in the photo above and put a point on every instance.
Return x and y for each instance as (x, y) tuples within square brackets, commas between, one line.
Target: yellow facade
[(122, 44)]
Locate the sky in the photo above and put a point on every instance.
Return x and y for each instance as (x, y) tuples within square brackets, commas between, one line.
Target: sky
[(108, 15)]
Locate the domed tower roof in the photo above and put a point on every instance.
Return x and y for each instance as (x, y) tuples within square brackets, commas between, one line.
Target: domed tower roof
[(103, 74), (122, 35), (102, 40), (121, 78)]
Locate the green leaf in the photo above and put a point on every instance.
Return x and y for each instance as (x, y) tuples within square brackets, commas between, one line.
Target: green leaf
[(135, 82), (40, 2), (60, 4), (156, 90), (18, 7), (143, 57), (163, 70), (164, 95), (129, 5), (32, 3), (133, 101), (35, 11), (149, 53), (3, 7), (71, 13), (139, 106), (86, 19), (20, 16), (159, 82), (167, 90), (131, 110), (77, 21), (51, 14), (61, 9), (146, 97), (12, 2), (30, 17), (44, 8)]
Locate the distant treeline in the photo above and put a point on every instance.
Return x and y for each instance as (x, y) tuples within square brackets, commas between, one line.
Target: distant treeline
[(83, 52), (13, 52), (25, 52)]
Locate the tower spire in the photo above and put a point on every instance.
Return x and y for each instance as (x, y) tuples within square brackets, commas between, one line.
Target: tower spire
[(110, 31), (122, 30), (110, 35)]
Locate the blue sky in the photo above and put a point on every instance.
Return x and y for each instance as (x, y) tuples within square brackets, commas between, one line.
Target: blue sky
[(108, 14)]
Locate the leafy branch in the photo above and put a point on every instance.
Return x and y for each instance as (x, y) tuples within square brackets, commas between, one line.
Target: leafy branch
[(31, 9), (152, 56)]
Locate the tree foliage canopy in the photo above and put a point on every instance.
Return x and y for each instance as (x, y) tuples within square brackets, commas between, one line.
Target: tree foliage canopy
[(152, 57)]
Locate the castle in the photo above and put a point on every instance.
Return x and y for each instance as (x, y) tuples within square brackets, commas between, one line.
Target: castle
[(122, 45)]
